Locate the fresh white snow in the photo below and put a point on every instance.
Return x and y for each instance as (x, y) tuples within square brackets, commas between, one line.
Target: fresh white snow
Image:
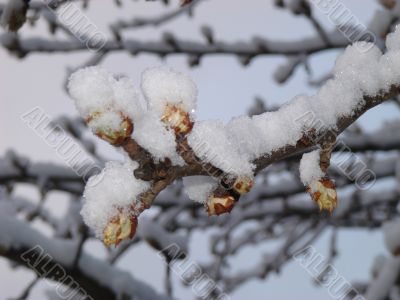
[(92, 90), (310, 170), (112, 191), (152, 135), (162, 86), (360, 71), (210, 142), (198, 188)]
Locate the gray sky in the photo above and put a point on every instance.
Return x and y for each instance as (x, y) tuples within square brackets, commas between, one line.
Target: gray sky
[(226, 90)]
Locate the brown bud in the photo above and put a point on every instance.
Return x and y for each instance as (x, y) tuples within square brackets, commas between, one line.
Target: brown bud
[(218, 205), (243, 185), (185, 2), (389, 4), (324, 193), (114, 137), (177, 119), (118, 229)]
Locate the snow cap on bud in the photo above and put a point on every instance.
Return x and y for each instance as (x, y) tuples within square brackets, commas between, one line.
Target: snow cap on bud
[(163, 86), (119, 228), (126, 98), (98, 94), (91, 89), (321, 188), (111, 200), (393, 38), (219, 204), (324, 193), (113, 127), (310, 169)]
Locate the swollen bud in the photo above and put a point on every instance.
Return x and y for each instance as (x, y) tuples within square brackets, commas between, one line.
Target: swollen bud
[(185, 2), (113, 127), (119, 228), (177, 119), (243, 185), (218, 205), (324, 193), (389, 4)]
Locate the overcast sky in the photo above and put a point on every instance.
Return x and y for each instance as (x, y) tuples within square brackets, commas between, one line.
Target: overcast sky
[(226, 89)]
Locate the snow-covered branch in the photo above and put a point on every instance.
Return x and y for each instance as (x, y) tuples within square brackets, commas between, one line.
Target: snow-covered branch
[(24, 245), (266, 159), (165, 142), (257, 47)]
